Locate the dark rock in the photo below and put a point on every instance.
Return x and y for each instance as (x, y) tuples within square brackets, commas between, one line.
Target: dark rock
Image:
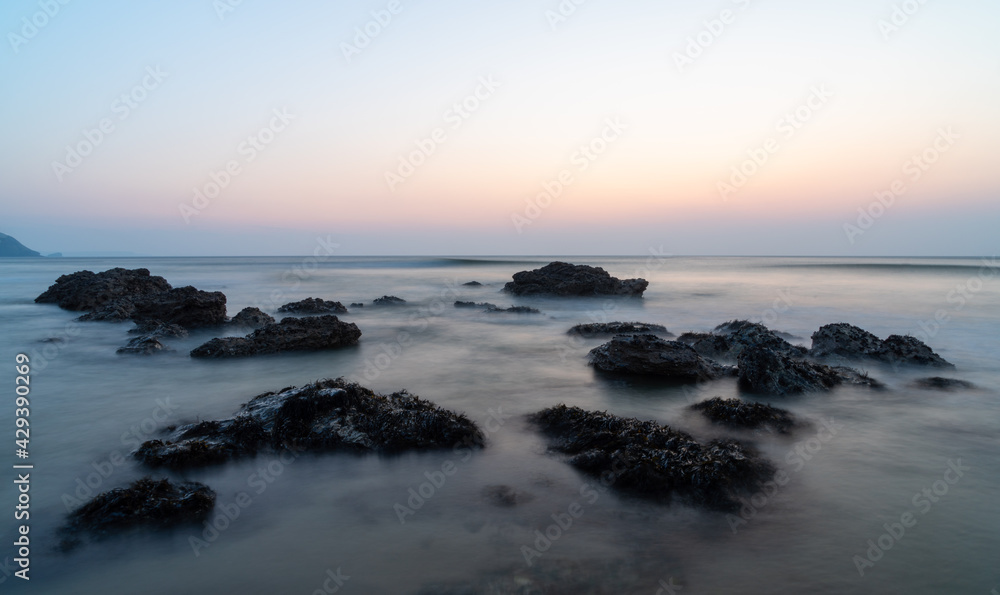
[(506, 496), (563, 279), (157, 328), (147, 502), (646, 458), (512, 309), (357, 305), (88, 291), (327, 415), (184, 306), (311, 333), (313, 306), (845, 341), (254, 318), (738, 413), (653, 356), (473, 284), (388, 300), (945, 384), (743, 334), (146, 345), (11, 248), (116, 310), (460, 304), (708, 344), (617, 328), (766, 371)]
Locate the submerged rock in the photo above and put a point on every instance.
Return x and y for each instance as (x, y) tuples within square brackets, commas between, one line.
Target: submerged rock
[(846, 341), (89, 291), (313, 306), (146, 502), (945, 384), (650, 459), (765, 371), (254, 318), (326, 415), (145, 345), (738, 413), (473, 284), (594, 329), (650, 355), (505, 496), (488, 307), (388, 300), (158, 328), (563, 279), (311, 333)]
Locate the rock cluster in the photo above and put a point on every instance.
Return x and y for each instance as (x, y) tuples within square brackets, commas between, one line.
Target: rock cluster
[(846, 341), (313, 306), (563, 279), (311, 333), (652, 356)]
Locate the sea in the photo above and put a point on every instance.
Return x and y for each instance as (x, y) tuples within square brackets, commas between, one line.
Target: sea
[(879, 492)]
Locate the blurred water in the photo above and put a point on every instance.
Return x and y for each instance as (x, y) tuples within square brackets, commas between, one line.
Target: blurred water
[(333, 511)]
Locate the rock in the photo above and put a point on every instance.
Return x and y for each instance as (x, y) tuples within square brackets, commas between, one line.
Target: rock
[(459, 304), (185, 306), (254, 318), (768, 372), (653, 356), (88, 291), (145, 345), (146, 502), (313, 306), (473, 284), (388, 300), (512, 309), (646, 458), (357, 305), (326, 415), (116, 310), (738, 413), (563, 279), (743, 334), (311, 333), (506, 496), (617, 328), (158, 328), (708, 344), (845, 341), (11, 248), (945, 384)]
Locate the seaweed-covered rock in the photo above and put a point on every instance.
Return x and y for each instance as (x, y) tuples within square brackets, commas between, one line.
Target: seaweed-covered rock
[(707, 345), (743, 334), (595, 329), (652, 356), (311, 333), (145, 345), (765, 371), (945, 384), (846, 341), (146, 502), (251, 317), (563, 279), (313, 306), (89, 291), (185, 306), (738, 413), (650, 459), (323, 416), (388, 300), (158, 328)]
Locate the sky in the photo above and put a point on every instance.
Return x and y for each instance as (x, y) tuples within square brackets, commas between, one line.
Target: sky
[(736, 127)]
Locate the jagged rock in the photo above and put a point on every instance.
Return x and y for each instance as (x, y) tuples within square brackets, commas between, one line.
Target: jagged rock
[(707, 344), (146, 345), (945, 384), (650, 459), (766, 371), (313, 306), (845, 341), (563, 279), (311, 333), (388, 300), (146, 502), (323, 416), (157, 328), (738, 413), (185, 306), (116, 310), (594, 329), (473, 284), (728, 339), (89, 291), (254, 318), (653, 356)]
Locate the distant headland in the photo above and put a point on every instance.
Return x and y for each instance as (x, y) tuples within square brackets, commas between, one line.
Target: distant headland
[(10, 247)]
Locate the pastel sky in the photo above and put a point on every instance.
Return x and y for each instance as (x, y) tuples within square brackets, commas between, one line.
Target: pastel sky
[(644, 108)]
